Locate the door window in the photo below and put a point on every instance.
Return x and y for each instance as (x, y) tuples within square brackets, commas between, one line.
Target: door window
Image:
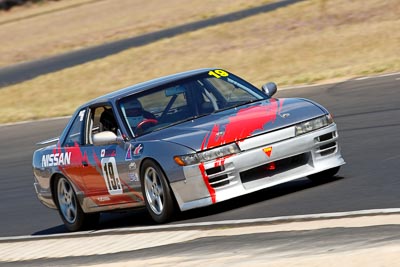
[(74, 135), (100, 119)]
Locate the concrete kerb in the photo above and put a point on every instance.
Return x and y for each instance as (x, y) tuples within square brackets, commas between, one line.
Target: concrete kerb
[(209, 225)]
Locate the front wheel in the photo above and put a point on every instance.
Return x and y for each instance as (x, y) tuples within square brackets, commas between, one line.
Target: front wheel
[(69, 208), (324, 175), (156, 192)]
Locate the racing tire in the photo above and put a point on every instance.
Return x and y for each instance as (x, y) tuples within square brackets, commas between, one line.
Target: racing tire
[(324, 175), (69, 208), (156, 191)]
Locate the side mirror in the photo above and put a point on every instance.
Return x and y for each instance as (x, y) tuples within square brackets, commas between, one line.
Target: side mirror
[(105, 138), (269, 88)]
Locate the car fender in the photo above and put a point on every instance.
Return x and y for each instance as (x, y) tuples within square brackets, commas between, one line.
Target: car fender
[(165, 159)]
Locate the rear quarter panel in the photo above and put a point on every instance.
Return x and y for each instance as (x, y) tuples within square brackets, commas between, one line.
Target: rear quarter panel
[(41, 172)]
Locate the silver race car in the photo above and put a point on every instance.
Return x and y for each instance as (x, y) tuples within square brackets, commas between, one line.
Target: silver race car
[(181, 142)]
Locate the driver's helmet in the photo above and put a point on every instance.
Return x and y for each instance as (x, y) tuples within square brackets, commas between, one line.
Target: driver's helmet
[(134, 112)]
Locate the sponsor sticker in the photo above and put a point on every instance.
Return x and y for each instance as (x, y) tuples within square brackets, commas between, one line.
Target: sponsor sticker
[(128, 155), (133, 177), (137, 150), (134, 151), (101, 199), (132, 166), (284, 115), (268, 151), (108, 153), (56, 159)]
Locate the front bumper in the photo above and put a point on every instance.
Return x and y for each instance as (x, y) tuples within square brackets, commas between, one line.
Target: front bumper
[(292, 157)]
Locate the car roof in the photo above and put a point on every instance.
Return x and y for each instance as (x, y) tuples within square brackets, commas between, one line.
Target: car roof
[(113, 96)]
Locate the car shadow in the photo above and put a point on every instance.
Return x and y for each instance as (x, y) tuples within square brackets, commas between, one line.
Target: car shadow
[(109, 220), (59, 229), (140, 217)]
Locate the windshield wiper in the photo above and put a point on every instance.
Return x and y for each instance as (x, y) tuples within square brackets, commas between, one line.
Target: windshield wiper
[(182, 121), (239, 104)]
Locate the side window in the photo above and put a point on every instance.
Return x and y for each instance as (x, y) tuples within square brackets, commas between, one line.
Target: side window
[(74, 136), (101, 119)]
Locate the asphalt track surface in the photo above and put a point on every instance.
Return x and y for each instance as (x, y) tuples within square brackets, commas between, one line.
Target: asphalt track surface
[(367, 112), (29, 70)]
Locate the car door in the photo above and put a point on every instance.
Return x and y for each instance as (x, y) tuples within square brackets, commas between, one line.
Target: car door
[(70, 157), (106, 173)]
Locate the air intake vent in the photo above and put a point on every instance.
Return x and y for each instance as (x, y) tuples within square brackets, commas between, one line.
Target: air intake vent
[(282, 165), (220, 176), (327, 149), (328, 144)]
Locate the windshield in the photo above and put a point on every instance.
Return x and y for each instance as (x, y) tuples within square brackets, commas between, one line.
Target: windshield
[(187, 99)]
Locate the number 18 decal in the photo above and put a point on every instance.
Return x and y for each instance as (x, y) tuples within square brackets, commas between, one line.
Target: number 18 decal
[(111, 177), (218, 73)]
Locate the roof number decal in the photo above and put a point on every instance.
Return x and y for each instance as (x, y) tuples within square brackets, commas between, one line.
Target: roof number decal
[(218, 73)]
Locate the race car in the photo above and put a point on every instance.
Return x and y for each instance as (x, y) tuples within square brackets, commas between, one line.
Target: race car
[(181, 142)]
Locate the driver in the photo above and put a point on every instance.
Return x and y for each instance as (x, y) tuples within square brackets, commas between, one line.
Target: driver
[(135, 113)]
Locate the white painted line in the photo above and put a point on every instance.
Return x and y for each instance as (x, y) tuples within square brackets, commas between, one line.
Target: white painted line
[(363, 78), (388, 74), (304, 86), (377, 76), (340, 81), (232, 223)]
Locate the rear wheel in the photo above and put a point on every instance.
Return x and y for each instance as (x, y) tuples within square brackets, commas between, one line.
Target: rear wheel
[(156, 192), (324, 175), (69, 208)]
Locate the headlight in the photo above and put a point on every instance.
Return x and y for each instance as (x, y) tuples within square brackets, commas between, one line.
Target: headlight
[(207, 155), (313, 124)]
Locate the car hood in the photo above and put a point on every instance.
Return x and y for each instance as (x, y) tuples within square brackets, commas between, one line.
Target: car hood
[(239, 123)]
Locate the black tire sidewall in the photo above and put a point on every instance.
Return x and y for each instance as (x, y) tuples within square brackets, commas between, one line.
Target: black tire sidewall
[(82, 220), (168, 210)]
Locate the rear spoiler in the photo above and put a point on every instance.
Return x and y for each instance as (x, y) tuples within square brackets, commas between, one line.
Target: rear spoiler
[(48, 141)]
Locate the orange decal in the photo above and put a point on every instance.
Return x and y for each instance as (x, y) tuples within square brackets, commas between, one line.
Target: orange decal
[(268, 151)]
